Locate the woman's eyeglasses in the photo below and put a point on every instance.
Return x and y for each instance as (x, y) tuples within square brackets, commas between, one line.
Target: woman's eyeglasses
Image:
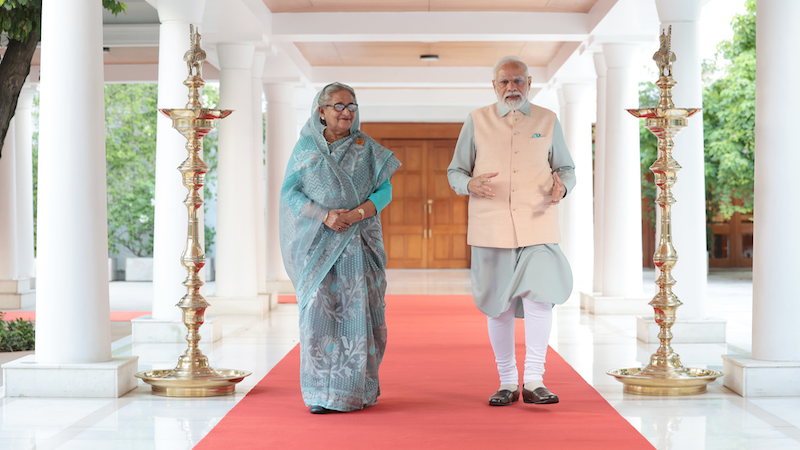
[(352, 107)]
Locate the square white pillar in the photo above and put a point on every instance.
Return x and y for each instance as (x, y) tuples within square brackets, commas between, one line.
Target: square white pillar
[(25, 377), (16, 294), (112, 267), (754, 378), (148, 329), (276, 287), (282, 286), (597, 304), (258, 306), (139, 269), (273, 301), (707, 330)]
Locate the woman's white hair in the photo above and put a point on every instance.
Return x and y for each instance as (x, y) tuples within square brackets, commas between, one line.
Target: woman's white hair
[(329, 90), (510, 59)]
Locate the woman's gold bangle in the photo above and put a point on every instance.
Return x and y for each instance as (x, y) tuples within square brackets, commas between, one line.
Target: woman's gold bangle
[(326, 217)]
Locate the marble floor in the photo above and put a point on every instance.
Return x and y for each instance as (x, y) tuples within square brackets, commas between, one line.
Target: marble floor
[(717, 420)]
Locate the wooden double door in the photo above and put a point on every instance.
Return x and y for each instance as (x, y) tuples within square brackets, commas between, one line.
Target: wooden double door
[(425, 225), (732, 241)]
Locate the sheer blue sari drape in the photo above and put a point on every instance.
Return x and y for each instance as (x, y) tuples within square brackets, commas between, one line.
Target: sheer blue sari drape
[(338, 276)]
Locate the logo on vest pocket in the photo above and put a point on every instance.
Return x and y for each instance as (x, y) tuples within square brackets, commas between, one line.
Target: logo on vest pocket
[(537, 135)]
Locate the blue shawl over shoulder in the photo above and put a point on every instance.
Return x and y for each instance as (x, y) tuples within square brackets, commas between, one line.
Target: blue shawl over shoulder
[(317, 180)]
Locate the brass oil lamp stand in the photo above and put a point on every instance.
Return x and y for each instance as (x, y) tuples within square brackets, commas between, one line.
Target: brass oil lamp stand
[(665, 375), (193, 377)]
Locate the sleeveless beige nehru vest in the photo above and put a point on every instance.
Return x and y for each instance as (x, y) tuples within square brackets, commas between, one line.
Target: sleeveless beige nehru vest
[(517, 147)]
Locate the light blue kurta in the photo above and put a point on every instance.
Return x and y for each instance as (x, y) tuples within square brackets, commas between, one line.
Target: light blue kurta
[(339, 277), (499, 275)]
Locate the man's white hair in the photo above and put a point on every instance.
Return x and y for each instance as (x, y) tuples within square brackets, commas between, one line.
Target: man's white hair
[(510, 59)]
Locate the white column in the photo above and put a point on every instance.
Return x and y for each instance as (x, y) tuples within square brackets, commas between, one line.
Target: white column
[(26, 265), (577, 208), (72, 311), (622, 216), (258, 167), (775, 365), (73, 342), (8, 213), (169, 237), (15, 291), (599, 170), (774, 271), (236, 218), (689, 212), (281, 138)]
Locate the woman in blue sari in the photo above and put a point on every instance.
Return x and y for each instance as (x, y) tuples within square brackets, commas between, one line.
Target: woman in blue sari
[(336, 184)]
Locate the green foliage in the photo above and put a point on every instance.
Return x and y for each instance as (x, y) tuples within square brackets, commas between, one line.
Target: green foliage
[(130, 161), (729, 122), (648, 151), (18, 18), (130, 166), (16, 335), (114, 6), (744, 33), (210, 100), (35, 154)]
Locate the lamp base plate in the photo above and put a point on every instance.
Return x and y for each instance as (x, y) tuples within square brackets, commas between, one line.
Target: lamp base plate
[(689, 382), (171, 386)]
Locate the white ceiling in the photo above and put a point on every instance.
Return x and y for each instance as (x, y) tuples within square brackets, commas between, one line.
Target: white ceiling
[(375, 45)]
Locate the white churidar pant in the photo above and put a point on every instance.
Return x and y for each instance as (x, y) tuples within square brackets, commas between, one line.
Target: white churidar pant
[(538, 322)]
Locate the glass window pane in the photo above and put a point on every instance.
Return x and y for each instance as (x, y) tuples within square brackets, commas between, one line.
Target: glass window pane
[(747, 245), (720, 246)]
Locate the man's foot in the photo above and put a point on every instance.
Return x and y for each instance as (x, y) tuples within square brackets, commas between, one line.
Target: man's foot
[(316, 409), (504, 397), (539, 396)]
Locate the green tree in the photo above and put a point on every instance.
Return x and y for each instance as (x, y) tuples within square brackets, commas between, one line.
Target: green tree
[(16, 335), (210, 100), (648, 150), (130, 166), (35, 158), (131, 117), (21, 21), (729, 121)]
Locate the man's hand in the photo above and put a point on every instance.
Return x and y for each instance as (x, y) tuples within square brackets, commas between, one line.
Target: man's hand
[(558, 190), (336, 220), (480, 185)]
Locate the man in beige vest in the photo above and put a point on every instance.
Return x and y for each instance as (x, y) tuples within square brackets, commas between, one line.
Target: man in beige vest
[(512, 161)]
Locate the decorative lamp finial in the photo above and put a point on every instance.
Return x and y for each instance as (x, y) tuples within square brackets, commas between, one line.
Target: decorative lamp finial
[(664, 56), (195, 56)]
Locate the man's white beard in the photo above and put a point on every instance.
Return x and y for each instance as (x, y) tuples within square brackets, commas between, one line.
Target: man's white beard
[(513, 104)]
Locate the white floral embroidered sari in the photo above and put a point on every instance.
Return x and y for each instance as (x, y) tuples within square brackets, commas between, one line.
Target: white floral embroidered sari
[(338, 276)]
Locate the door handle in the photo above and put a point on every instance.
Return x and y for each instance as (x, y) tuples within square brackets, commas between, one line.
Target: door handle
[(430, 211), (425, 223)]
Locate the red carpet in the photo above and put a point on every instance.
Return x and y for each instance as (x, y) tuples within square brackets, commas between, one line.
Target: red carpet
[(116, 316), (287, 299), (436, 378)]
